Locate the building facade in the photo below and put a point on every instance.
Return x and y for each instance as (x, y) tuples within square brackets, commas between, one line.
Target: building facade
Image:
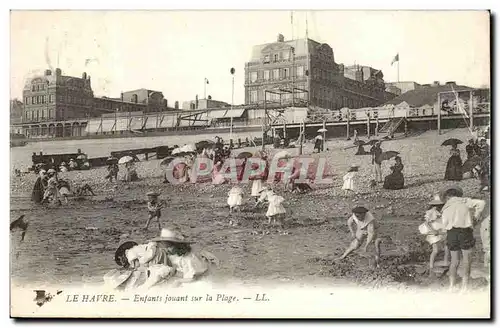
[(153, 100), (203, 104), (55, 97), (403, 86), (305, 71)]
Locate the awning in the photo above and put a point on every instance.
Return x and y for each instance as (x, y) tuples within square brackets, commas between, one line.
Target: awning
[(226, 113)]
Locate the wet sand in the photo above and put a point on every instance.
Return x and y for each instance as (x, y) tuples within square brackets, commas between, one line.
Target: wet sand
[(75, 243)]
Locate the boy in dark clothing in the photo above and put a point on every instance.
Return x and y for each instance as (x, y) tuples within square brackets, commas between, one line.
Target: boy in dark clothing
[(154, 209), (376, 152)]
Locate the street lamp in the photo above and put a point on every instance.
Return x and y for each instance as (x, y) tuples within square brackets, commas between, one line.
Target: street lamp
[(232, 104)]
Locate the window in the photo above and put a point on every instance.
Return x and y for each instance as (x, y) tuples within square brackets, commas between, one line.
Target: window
[(300, 71), (276, 57), (51, 114), (27, 116), (33, 87), (266, 59), (286, 55), (51, 98), (285, 73), (43, 114), (134, 98), (253, 76), (276, 74), (32, 115), (253, 96), (33, 100), (266, 75)]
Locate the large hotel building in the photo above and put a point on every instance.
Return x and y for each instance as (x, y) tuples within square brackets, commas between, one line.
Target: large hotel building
[(309, 68)]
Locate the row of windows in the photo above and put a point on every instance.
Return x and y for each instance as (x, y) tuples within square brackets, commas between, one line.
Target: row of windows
[(35, 100), (258, 96), (41, 114), (276, 57), (276, 74), (38, 87)]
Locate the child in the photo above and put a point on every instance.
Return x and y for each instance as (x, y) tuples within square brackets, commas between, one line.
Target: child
[(154, 209), (235, 198), (64, 189), (52, 190), (434, 230), (366, 228), (275, 210), (349, 180)]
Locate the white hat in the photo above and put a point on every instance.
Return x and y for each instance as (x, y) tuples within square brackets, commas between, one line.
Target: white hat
[(169, 235), (51, 171)]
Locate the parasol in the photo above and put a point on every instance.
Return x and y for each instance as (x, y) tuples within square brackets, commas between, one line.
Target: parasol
[(386, 155), (282, 154), (373, 142), (167, 160), (452, 141), (319, 137), (471, 163), (125, 159), (322, 130), (244, 154)]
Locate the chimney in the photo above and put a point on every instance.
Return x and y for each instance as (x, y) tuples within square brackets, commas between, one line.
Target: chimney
[(281, 38), (435, 83), (176, 105), (84, 76)]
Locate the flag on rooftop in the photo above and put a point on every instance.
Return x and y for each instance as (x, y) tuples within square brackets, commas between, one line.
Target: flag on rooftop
[(396, 59)]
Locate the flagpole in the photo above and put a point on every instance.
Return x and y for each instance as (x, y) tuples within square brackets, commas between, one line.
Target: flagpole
[(398, 67), (205, 88)]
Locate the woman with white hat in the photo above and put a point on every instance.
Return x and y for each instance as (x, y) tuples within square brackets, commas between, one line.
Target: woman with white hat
[(433, 229)]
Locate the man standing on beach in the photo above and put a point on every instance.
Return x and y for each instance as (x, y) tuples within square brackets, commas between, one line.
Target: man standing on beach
[(459, 215), (376, 152)]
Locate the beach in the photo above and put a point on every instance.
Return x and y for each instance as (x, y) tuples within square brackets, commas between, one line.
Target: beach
[(75, 243)]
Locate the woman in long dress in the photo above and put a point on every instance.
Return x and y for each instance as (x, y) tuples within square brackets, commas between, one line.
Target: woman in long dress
[(396, 179), (39, 187), (454, 166), (348, 185)]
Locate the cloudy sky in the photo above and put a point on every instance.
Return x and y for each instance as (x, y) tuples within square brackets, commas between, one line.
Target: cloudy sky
[(173, 51)]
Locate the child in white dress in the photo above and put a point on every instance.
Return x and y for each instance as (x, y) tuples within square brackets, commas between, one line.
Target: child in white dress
[(348, 185), (275, 210), (434, 231), (235, 198)]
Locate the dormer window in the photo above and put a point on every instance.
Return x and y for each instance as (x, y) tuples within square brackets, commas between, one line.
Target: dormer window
[(266, 59), (276, 57)]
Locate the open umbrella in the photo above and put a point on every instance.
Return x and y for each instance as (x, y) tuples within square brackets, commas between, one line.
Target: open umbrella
[(471, 163), (322, 130), (176, 151), (372, 142), (244, 154), (125, 159), (282, 154), (167, 160), (204, 144), (386, 155), (452, 141)]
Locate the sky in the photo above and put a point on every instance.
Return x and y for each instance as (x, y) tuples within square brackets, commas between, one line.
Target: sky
[(174, 51)]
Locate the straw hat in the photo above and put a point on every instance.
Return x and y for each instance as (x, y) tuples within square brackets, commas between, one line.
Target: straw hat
[(436, 200), (51, 171), (360, 209), (454, 187), (120, 252), (171, 236), (353, 168)]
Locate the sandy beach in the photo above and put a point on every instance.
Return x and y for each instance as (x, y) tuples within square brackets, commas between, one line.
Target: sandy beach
[(75, 242)]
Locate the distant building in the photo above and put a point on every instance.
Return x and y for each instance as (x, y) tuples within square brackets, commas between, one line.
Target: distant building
[(105, 105), (404, 86), (203, 104), (154, 100), (55, 97), (16, 111), (310, 68)]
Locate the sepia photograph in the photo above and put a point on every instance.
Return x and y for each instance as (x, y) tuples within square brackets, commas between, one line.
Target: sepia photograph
[(250, 164)]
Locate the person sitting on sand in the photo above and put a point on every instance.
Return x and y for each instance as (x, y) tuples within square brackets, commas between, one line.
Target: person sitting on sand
[(235, 199), (84, 190), (154, 209), (348, 185), (396, 179), (362, 225), (434, 231), (130, 172), (72, 164), (64, 189)]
